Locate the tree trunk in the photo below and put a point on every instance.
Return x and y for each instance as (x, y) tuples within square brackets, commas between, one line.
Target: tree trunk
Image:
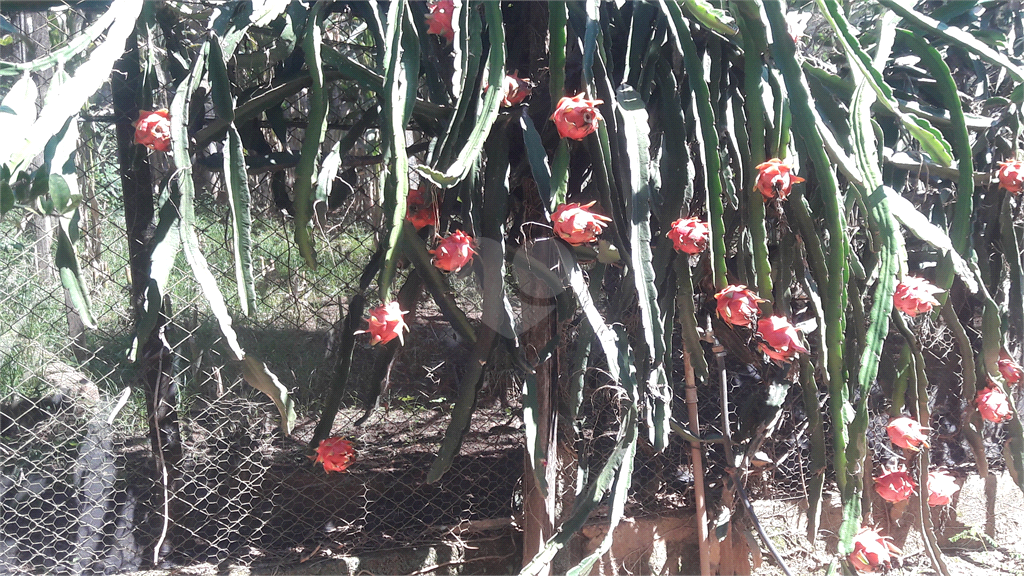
[(76, 330), (154, 355), (540, 323), (92, 218)]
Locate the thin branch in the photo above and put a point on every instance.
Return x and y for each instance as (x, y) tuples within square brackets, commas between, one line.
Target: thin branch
[(430, 569), (760, 529)]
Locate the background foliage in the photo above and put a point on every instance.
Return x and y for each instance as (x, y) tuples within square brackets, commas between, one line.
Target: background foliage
[(895, 113)]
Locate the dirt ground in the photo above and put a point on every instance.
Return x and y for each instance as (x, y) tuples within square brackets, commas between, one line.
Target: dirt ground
[(975, 542)]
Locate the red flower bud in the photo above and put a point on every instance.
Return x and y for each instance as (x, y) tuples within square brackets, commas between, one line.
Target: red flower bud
[(514, 90), (779, 339), (153, 130), (576, 224), (439, 20), (895, 485), (576, 117), (871, 551), (907, 433), (453, 252), (941, 488), (689, 235), (1010, 370), (993, 404), (737, 305), (775, 179), (420, 208), (915, 295), (335, 453), (1011, 176), (386, 324)]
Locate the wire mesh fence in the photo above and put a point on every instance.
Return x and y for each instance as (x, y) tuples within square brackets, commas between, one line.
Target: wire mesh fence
[(80, 490)]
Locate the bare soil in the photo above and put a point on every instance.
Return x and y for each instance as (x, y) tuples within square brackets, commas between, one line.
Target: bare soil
[(975, 540)]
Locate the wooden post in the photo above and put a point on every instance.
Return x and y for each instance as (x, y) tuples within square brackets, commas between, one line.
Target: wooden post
[(697, 462)]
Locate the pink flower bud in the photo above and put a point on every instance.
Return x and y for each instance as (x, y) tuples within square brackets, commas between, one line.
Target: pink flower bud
[(335, 453), (895, 485), (1011, 176), (453, 252), (908, 433), (689, 235), (737, 305), (915, 295), (576, 117), (1010, 370), (153, 130), (514, 90), (439, 20), (576, 224), (872, 551), (386, 324), (993, 404), (779, 339), (941, 488), (775, 179)]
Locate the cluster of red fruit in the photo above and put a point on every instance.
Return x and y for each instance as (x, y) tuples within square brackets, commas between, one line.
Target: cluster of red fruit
[(576, 118), (915, 296), (453, 252), (777, 338), (387, 322), (871, 550)]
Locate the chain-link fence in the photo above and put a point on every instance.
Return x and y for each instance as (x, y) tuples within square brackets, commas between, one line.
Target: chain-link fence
[(80, 490)]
